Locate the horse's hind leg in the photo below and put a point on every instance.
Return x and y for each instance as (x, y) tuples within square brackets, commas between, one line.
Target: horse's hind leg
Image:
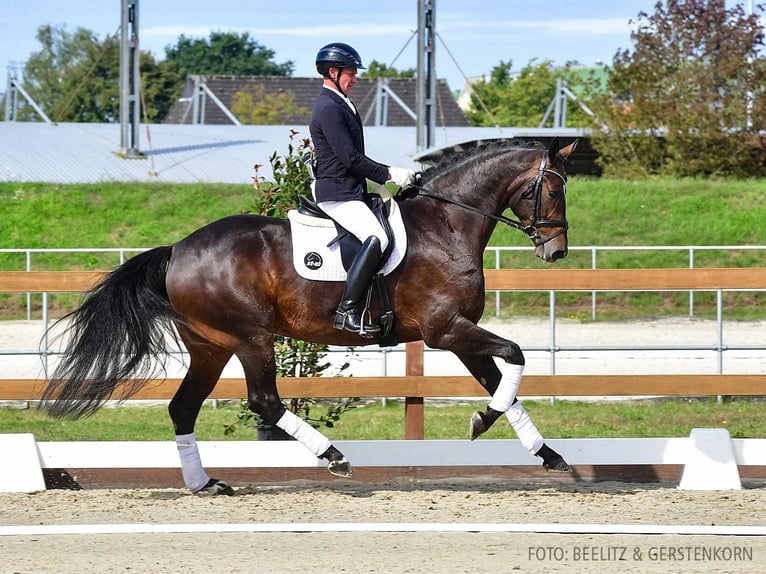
[(206, 364), (257, 359)]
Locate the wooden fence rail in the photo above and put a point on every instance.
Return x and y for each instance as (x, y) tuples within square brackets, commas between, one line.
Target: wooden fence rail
[(553, 279), (415, 387), (445, 386)]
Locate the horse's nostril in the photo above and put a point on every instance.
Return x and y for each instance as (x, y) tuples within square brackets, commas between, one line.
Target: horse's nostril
[(559, 254)]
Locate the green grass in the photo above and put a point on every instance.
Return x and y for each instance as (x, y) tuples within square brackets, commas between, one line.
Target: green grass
[(601, 212), (106, 215), (658, 212), (563, 419), (653, 212)]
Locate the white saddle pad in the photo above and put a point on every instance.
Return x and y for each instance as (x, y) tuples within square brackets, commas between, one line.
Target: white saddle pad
[(314, 260)]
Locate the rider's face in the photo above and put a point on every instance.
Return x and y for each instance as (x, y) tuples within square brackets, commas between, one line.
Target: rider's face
[(346, 79)]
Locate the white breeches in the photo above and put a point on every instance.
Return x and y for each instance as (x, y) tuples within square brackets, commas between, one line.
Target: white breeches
[(357, 218)]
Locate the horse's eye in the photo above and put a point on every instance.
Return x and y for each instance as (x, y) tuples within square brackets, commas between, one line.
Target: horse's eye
[(528, 192), (554, 193)]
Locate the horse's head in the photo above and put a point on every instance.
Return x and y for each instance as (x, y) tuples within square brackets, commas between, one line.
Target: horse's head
[(541, 203), (530, 180)]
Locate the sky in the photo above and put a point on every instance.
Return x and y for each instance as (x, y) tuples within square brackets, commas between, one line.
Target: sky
[(473, 36)]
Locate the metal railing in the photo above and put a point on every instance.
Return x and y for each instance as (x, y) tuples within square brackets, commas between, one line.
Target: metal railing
[(552, 349), (688, 250)]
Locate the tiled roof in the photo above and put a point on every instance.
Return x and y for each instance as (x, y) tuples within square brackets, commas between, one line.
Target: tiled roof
[(305, 91)]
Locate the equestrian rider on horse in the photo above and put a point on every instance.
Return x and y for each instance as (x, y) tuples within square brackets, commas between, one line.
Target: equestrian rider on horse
[(342, 169)]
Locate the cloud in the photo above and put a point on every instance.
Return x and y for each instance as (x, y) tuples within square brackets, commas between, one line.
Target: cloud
[(575, 26), (340, 30)]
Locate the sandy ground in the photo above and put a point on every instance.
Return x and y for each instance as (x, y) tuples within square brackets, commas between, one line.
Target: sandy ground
[(410, 552)]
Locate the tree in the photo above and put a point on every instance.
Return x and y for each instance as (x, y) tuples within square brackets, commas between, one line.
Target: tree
[(53, 74), (522, 100), (689, 98), (75, 78), (224, 53), (255, 106), (377, 70), (161, 86)]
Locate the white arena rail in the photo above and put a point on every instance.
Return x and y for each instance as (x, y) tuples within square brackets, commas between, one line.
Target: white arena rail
[(709, 456)]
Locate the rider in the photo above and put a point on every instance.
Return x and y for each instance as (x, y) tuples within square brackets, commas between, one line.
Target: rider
[(341, 169)]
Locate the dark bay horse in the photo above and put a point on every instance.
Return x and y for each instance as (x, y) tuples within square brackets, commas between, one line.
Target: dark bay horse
[(230, 286)]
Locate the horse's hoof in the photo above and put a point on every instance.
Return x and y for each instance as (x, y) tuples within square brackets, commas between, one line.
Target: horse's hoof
[(557, 465), (340, 468), (478, 427), (216, 487), (552, 461)]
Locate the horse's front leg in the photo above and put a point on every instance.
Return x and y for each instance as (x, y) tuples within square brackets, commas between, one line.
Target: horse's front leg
[(275, 413), (476, 347), (484, 369), (263, 399)]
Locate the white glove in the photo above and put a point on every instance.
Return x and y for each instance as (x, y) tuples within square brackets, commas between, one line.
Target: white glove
[(401, 176)]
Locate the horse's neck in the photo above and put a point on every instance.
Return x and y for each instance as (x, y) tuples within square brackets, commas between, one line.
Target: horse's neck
[(484, 193), (426, 215)]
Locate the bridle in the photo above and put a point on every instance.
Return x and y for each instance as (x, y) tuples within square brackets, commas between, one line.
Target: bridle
[(532, 229)]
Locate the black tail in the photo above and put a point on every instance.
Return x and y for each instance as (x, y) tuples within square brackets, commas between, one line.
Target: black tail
[(118, 334)]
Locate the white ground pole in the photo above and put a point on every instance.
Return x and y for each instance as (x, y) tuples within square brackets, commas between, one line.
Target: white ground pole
[(638, 529)]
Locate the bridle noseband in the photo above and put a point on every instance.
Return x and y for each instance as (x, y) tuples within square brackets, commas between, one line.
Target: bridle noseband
[(532, 229)]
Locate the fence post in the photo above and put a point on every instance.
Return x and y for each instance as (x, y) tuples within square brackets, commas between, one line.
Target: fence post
[(413, 406)]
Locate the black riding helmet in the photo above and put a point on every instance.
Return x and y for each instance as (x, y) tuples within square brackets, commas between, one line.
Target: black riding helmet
[(337, 55)]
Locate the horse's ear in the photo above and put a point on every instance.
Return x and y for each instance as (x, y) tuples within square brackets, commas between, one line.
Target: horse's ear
[(567, 151), (553, 147)]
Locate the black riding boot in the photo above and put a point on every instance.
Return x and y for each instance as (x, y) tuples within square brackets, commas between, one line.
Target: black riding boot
[(350, 313)]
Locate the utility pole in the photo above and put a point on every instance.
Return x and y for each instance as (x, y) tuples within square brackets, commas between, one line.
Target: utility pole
[(130, 96), (426, 85)]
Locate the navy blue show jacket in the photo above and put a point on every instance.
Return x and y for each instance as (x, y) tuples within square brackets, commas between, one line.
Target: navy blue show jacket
[(341, 167)]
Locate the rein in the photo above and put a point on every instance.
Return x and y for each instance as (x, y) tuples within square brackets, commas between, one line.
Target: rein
[(530, 230)]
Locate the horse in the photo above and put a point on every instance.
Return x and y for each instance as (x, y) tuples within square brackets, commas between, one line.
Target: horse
[(229, 287)]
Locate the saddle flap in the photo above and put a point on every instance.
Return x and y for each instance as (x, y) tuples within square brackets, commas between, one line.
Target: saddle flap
[(316, 254)]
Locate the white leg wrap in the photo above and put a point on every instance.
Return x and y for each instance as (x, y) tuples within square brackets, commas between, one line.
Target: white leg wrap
[(526, 430), (509, 386), (307, 435), (194, 475)]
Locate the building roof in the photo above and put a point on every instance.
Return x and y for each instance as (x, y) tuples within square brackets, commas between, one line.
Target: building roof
[(88, 153), (305, 91)]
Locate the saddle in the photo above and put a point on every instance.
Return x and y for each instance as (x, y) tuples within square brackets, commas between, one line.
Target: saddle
[(349, 244), (324, 250)]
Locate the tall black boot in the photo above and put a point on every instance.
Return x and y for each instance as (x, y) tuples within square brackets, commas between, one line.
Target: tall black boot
[(350, 313)]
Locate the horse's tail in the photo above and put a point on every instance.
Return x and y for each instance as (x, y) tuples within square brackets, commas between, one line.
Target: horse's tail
[(116, 335)]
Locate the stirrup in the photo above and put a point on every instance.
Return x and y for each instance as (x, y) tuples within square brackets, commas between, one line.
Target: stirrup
[(345, 321)]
